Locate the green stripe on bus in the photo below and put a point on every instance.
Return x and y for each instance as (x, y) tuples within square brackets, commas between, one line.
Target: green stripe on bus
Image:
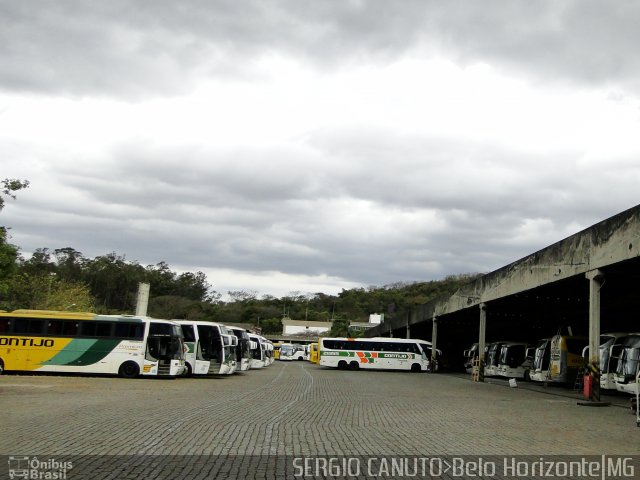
[(97, 352), (83, 351), (71, 352)]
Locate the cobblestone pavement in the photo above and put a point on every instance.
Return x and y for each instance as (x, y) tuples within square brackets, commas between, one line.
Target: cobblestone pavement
[(299, 409)]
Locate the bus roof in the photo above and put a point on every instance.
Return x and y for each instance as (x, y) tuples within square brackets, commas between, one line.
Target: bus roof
[(49, 314)]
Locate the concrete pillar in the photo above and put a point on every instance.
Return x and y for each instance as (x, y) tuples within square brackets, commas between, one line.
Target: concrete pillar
[(142, 302), (408, 325), (434, 338), (596, 279), (482, 340)]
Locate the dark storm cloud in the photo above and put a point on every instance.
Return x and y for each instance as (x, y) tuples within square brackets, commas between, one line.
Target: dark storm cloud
[(138, 49)]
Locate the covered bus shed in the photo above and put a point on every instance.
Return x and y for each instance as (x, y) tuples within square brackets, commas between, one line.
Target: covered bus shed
[(588, 282)]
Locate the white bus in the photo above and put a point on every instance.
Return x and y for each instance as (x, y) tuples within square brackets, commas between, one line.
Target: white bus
[(269, 351), (608, 363), (627, 352), (427, 347), (470, 356), (258, 349), (243, 350), (75, 342), (210, 348), (289, 351), (515, 360), (539, 370), (373, 353), (492, 359)]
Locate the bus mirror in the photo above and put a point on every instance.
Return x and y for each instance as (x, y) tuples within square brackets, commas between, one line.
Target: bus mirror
[(226, 340)]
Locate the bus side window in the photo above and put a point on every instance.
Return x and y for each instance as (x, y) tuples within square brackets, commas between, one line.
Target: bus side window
[(55, 327), (70, 329), (103, 329), (88, 329), (5, 323), (36, 326), (21, 325)]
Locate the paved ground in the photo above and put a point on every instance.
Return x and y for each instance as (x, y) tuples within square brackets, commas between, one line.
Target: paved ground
[(297, 409)]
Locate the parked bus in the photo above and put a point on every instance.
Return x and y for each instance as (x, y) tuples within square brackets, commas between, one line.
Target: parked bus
[(289, 351), (269, 351), (492, 359), (243, 350), (470, 356), (558, 359), (73, 342), (258, 357), (427, 347), (374, 353), (608, 364), (276, 350), (514, 360), (627, 352), (565, 358), (210, 348), (313, 352)]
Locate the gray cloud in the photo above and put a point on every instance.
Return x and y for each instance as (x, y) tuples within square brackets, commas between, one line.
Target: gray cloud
[(362, 203), (140, 49)]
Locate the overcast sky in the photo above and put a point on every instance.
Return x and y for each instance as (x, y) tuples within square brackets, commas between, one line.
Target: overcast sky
[(311, 146)]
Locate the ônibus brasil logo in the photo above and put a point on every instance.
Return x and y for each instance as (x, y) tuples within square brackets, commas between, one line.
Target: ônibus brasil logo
[(33, 468)]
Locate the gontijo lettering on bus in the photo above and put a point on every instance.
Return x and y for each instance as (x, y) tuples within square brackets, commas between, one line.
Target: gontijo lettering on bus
[(369, 357)]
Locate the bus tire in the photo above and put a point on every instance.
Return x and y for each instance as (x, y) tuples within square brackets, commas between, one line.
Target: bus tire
[(129, 370), (342, 365), (187, 370), (354, 366), (416, 367), (1, 366), (527, 376)]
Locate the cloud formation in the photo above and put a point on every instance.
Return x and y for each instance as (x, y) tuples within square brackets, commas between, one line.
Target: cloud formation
[(311, 146)]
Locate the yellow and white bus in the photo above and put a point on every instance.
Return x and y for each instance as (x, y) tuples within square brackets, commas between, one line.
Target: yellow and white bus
[(558, 359), (73, 342), (313, 352), (373, 353)]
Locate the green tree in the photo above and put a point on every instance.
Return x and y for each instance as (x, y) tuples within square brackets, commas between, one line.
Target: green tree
[(340, 328), (9, 186), (8, 263), (48, 292), (9, 254)]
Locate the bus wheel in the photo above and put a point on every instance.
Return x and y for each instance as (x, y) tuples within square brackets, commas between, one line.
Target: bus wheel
[(129, 370), (1, 367), (187, 370), (342, 365), (416, 368), (354, 366), (527, 376)]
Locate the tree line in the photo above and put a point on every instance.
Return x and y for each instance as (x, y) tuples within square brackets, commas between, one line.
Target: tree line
[(64, 279)]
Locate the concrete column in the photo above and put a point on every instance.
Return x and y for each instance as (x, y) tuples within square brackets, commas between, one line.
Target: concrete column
[(142, 302), (482, 340), (596, 279), (408, 325), (434, 340)]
